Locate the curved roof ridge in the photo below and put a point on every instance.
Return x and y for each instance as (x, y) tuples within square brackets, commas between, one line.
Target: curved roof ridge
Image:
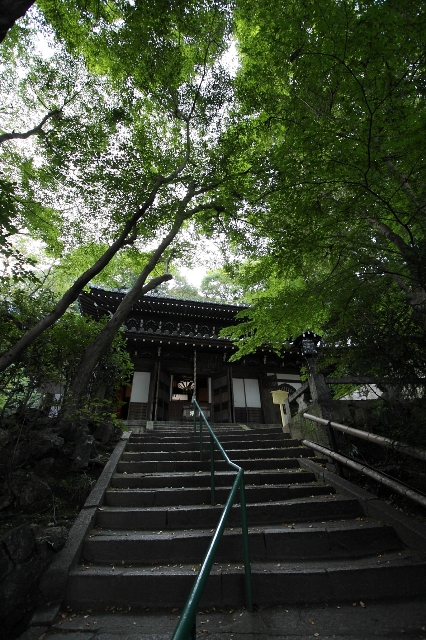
[(154, 294)]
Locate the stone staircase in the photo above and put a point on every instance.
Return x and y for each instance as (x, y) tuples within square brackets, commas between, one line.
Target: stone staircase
[(307, 543)]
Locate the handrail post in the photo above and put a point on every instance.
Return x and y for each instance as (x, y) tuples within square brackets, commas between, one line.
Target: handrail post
[(247, 566), (212, 470), (195, 418)]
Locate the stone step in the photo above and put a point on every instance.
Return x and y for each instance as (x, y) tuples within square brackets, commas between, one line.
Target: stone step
[(241, 436), (195, 495), (193, 445), (354, 538), (188, 427), (176, 425), (168, 585), (202, 479), (195, 516), (168, 466), (233, 454), (307, 543)]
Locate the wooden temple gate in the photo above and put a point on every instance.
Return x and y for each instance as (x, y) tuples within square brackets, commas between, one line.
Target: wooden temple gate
[(177, 350)]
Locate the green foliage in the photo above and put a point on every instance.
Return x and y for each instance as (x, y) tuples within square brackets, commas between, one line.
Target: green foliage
[(315, 168), (124, 122), (77, 486), (334, 94), (7, 208), (179, 287), (401, 420), (219, 286), (14, 264), (52, 361), (162, 43), (121, 272), (114, 132), (381, 338)]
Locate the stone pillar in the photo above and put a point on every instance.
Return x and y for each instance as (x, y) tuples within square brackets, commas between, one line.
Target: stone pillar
[(321, 406), (319, 389)]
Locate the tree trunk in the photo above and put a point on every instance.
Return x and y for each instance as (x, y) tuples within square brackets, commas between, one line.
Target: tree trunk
[(69, 423), (72, 294), (414, 291), (102, 343), (10, 11)]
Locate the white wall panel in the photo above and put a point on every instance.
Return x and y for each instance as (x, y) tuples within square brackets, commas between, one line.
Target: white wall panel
[(140, 386), (239, 395), (252, 393), (246, 392)]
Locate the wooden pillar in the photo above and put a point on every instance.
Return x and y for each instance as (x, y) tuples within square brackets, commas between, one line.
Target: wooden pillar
[(157, 389)]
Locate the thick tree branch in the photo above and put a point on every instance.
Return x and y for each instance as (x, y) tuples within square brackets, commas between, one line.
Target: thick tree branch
[(72, 294), (413, 289), (155, 282), (405, 186), (393, 237), (400, 282), (132, 237), (103, 341), (205, 207), (38, 129)]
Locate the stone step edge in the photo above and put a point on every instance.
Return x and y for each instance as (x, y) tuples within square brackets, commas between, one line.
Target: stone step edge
[(240, 463), (194, 443), (392, 559), (221, 473), (271, 584), (349, 524), (157, 481), (321, 460), (193, 456), (287, 485), (333, 497), (206, 451), (190, 423), (411, 532)]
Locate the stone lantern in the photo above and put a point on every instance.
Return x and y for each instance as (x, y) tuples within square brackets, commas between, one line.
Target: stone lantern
[(308, 344)]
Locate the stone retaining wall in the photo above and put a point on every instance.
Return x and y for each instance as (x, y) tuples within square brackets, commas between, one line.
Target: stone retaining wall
[(25, 553)]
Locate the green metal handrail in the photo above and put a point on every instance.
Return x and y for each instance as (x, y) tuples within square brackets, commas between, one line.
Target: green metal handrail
[(186, 627)]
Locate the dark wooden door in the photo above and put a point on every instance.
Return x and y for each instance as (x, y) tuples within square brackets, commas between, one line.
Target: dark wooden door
[(163, 394), (221, 397)]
